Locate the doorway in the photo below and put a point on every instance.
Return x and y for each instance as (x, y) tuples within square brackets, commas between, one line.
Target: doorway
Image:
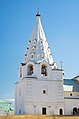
[(75, 110), (44, 110), (61, 112)]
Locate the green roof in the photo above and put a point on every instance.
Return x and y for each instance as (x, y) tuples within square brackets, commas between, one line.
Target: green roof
[(6, 106)]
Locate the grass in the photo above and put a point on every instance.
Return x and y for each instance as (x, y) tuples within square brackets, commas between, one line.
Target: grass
[(38, 117)]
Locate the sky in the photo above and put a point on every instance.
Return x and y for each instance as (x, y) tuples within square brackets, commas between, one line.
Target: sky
[(60, 20)]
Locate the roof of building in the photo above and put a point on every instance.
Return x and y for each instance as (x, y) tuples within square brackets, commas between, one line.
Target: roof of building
[(6, 106), (37, 49), (72, 82), (76, 78)]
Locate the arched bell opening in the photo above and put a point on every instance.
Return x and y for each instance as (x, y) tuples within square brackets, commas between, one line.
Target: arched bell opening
[(30, 69), (44, 70)]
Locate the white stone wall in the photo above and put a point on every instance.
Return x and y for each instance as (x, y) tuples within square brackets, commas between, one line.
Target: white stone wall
[(69, 104), (30, 98), (20, 92), (57, 74)]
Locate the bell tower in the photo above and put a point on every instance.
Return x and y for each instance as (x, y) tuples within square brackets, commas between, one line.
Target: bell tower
[(40, 81)]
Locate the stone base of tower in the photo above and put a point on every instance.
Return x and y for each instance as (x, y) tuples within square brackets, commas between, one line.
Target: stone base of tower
[(44, 109), (35, 96)]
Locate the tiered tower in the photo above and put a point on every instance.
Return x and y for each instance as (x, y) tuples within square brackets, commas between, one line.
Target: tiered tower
[(39, 88), (37, 49)]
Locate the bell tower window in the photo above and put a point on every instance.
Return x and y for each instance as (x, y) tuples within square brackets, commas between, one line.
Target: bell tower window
[(44, 70), (32, 56), (30, 69)]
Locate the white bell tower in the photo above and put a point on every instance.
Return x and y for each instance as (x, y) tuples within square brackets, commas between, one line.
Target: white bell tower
[(39, 88)]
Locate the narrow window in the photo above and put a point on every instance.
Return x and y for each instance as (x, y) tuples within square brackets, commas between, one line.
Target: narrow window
[(44, 70), (32, 56), (30, 69), (19, 111), (44, 91), (70, 94)]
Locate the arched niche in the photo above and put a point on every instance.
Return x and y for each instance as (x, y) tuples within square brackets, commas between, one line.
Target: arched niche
[(75, 110), (29, 69), (32, 55), (34, 41), (43, 70), (60, 111), (33, 48)]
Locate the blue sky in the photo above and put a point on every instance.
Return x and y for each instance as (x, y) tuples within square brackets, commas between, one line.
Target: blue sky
[(60, 20)]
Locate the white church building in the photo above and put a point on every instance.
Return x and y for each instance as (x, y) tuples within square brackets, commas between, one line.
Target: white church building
[(40, 87)]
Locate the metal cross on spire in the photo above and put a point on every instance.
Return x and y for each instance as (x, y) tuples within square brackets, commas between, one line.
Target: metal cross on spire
[(61, 64), (38, 13)]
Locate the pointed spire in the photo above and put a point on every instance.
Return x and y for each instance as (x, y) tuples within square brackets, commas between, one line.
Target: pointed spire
[(38, 49)]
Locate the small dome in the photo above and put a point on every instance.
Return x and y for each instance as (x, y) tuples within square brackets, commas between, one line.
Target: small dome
[(38, 14)]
